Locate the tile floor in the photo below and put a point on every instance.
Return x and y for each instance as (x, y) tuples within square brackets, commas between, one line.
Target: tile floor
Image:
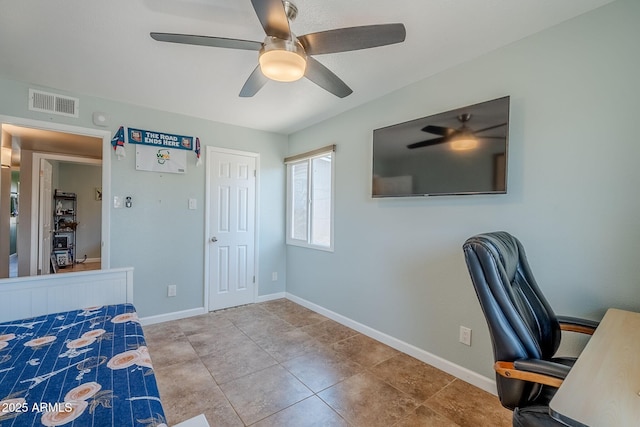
[(279, 364)]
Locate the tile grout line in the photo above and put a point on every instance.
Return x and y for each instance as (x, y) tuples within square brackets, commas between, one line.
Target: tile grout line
[(294, 318), (365, 369)]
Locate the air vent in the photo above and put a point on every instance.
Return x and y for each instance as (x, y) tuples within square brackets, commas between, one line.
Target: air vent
[(53, 103)]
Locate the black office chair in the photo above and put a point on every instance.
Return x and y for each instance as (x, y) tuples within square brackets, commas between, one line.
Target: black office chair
[(525, 332)]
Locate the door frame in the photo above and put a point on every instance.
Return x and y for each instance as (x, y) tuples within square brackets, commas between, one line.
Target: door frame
[(105, 135), (44, 205), (35, 198), (209, 154)]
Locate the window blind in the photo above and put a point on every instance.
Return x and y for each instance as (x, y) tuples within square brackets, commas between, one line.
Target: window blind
[(309, 154)]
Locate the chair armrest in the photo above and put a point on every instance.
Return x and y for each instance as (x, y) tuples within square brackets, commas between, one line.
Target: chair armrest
[(533, 370), (575, 324), (544, 367)]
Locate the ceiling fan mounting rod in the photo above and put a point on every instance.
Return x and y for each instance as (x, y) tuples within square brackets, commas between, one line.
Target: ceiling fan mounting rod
[(464, 117), (290, 10)]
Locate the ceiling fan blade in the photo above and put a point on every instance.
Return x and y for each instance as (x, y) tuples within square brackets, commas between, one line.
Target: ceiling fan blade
[(439, 130), (427, 143), (273, 18), (326, 79), (207, 41), (489, 128), (352, 38), (253, 84)]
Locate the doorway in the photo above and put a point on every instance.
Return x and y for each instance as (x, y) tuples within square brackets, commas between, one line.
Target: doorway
[(77, 225), (231, 201), (30, 140)]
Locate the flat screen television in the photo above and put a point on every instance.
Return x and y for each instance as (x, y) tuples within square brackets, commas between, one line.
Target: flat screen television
[(462, 151)]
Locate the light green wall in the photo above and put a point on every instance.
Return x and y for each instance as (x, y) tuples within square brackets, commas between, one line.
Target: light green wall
[(83, 180), (162, 239), (398, 265)]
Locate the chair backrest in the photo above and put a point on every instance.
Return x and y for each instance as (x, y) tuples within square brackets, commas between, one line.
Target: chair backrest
[(521, 322)]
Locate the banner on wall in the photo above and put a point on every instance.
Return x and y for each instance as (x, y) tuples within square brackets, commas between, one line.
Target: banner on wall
[(160, 152)]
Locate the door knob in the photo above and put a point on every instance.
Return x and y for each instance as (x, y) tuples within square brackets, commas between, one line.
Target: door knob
[(214, 239)]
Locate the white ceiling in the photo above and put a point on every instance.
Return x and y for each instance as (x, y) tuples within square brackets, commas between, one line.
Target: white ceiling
[(103, 48)]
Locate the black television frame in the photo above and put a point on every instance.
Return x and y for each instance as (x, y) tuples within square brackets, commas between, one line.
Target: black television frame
[(493, 115)]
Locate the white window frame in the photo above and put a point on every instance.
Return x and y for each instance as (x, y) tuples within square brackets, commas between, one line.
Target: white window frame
[(308, 158)]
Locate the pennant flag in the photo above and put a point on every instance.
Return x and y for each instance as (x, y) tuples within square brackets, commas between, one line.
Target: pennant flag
[(118, 143), (198, 159)]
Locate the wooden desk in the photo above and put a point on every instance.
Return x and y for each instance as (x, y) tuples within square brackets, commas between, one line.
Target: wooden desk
[(603, 387)]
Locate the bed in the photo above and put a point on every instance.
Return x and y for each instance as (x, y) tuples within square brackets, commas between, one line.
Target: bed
[(80, 367)]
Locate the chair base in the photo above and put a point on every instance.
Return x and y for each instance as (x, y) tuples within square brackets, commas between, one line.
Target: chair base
[(534, 416)]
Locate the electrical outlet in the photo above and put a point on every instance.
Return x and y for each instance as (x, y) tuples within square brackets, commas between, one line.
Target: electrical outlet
[(274, 276), (465, 335), (171, 290)]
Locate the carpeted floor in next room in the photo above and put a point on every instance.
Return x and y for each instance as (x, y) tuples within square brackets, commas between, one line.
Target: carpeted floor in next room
[(279, 364)]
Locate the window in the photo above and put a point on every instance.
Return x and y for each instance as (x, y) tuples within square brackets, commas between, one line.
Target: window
[(310, 199)]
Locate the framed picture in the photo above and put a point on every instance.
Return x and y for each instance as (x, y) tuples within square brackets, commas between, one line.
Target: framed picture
[(99, 194), (60, 242)]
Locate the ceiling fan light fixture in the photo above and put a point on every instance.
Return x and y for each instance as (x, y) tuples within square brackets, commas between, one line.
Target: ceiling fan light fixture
[(464, 142), (282, 60), (286, 58)]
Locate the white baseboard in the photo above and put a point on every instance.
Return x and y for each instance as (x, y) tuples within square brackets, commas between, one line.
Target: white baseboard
[(88, 260), (176, 315), (447, 366), (451, 368), (270, 297)]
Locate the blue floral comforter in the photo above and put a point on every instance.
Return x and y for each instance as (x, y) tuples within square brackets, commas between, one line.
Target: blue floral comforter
[(84, 368)]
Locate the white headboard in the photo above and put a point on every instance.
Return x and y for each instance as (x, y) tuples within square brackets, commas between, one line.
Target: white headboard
[(26, 297)]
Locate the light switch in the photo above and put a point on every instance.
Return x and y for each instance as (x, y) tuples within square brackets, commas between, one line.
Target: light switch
[(117, 202), (193, 204)]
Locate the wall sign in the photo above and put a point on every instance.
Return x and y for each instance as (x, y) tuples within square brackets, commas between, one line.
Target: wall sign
[(159, 151), (160, 139)]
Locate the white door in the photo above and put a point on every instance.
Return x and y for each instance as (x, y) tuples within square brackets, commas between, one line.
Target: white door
[(231, 240), (45, 214)]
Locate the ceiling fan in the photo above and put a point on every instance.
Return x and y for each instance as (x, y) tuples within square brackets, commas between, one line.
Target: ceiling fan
[(462, 138), (285, 57)]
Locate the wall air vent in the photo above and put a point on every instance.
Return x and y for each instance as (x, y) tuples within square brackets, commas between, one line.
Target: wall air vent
[(53, 103)]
